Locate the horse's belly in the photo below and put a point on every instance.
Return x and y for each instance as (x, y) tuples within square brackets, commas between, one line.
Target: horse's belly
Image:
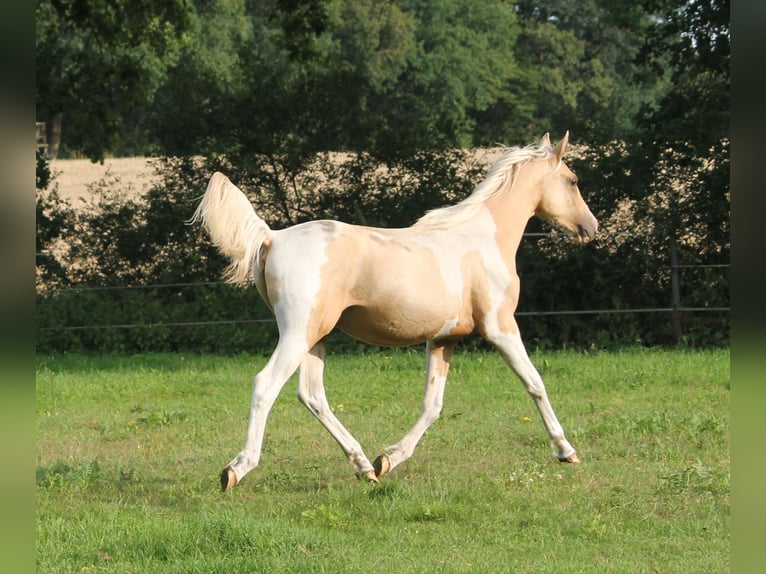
[(397, 326)]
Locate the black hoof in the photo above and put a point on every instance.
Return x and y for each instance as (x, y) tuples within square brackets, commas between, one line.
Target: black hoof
[(228, 479)]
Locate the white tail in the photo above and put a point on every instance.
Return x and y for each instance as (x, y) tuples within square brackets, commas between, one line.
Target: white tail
[(234, 227)]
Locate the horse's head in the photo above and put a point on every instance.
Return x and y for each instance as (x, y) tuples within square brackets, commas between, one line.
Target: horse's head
[(561, 202)]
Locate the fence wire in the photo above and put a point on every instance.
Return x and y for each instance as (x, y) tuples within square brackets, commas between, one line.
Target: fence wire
[(562, 312), (518, 314)]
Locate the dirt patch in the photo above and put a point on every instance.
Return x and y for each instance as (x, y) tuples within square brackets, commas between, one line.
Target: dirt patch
[(74, 176)]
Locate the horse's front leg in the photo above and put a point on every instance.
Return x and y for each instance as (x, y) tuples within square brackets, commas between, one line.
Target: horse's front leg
[(311, 393), (512, 350), (438, 357), (266, 387)]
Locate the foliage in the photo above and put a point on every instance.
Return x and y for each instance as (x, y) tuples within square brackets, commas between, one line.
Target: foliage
[(100, 63), (191, 109), (671, 173), (474, 43), (173, 318), (578, 58), (686, 137), (365, 192), (54, 221), (301, 76), (136, 263), (359, 110), (365, 60)]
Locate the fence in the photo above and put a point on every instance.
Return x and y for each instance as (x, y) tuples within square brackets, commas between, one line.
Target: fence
[(41, 138), (675, 309)]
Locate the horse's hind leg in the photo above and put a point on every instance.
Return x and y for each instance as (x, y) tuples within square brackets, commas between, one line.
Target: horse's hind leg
[(512, 350), (266, 386), (311, 393), (438, 356)]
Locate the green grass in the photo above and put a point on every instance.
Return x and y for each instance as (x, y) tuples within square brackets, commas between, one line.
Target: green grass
[(129, 450)]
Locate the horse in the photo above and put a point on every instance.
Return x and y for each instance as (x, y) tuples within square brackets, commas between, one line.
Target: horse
[(450, 275)]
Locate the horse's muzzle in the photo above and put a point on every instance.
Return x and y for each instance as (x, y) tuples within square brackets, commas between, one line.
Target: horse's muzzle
[(586, 233)]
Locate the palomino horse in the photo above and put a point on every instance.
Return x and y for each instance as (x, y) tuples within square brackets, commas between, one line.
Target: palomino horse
[(451, 274)]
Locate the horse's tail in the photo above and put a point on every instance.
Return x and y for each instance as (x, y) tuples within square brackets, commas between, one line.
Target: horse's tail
[(234, 227)]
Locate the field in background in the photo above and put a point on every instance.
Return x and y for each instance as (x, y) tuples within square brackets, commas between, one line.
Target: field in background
[(129, 450), (73, 176)]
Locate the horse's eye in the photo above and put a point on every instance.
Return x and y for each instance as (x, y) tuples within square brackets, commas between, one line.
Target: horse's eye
[(573, 181)]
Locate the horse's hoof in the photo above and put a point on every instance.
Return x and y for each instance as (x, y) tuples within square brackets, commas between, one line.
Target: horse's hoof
[(381, 465), (228, 479), (370, 476), (573, 458)]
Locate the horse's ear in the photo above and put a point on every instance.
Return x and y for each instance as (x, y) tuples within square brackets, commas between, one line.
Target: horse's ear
[(546, 141), (561, 146)]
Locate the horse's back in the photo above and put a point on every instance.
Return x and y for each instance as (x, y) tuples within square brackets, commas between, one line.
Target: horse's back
[(382, 286)]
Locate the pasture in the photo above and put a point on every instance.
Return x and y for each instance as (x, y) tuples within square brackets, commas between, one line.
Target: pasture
[(129, 452), (74, 177)]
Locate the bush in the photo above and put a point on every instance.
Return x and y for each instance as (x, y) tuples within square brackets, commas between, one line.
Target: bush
[(131, 275)]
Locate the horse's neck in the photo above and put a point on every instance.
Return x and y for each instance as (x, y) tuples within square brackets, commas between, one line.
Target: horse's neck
[(510, 211)]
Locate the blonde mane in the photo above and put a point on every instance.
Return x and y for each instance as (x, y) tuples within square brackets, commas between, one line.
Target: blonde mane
[(498, 175)]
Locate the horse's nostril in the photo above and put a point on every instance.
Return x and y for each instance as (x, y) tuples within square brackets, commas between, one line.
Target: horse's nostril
[(585, 235)]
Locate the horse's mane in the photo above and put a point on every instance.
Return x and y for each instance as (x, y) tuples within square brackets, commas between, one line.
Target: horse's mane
[(498, 175)]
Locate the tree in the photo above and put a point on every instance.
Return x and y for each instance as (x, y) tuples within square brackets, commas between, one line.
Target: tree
[(579, 59), (98, 65), (682, 143), (358, 76), (462, 66), (193, 112), (389, 77), (692, 39), (671, 172)]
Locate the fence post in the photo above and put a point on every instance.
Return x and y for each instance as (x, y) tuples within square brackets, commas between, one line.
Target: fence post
[(675, 283), (41, 138)]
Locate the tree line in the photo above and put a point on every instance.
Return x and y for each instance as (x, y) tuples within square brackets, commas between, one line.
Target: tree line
[(274, 92), (178, 77)]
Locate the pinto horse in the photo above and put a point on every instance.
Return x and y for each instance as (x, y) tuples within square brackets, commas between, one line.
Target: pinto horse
[(450, 275)]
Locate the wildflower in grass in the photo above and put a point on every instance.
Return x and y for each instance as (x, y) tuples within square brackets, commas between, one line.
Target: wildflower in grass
[(529, 475)]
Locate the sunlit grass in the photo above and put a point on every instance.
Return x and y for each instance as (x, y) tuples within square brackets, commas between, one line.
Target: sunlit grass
[(129, 450)]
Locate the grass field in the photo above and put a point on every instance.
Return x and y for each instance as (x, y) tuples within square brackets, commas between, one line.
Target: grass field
[(129, 450)]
